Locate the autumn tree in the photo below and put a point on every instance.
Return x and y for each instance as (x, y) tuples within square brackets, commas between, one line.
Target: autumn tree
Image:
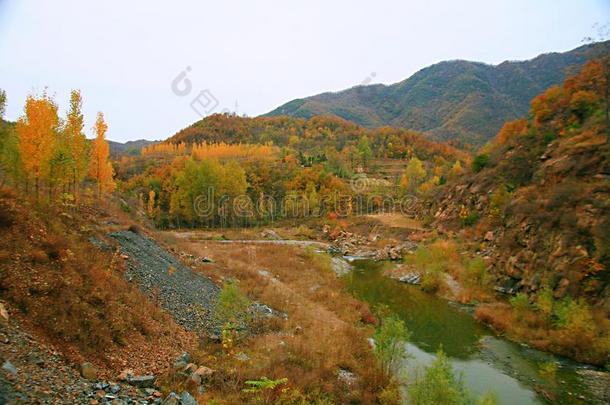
[(365, 152), (37, 131), (77, 142), (456, 169), (2, 103), (413, 175), (151, 204), (100, 168), (10, 162)]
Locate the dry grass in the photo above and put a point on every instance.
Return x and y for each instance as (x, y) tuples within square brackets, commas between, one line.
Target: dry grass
[(397, 221), (73, 294), (585, 345), (325, 330)]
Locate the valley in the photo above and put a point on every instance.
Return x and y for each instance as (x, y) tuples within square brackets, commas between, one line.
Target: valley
[(441, 240)]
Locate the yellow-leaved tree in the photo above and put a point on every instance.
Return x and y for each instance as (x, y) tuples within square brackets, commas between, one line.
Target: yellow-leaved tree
[(37, 132), (100, 168), (76, 140)]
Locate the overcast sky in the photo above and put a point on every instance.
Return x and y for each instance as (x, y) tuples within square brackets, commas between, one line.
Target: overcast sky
[(252, 56)]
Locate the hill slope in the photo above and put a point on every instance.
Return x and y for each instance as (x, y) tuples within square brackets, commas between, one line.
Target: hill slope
[(454, 100), (538, 201)]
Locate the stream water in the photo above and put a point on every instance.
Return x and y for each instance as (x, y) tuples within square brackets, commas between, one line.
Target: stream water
[(487, 362)]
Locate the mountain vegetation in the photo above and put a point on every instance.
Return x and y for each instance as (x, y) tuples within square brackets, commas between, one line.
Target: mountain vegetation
[(459, 101), (279, 168), (535, 206)]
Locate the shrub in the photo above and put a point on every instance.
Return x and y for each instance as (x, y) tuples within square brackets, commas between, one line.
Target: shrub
[(438, 384), (498, 202), (390, 341), (545, 302), (232, 305), (520, 304), (470, 219), (432, 281), (264, 389), (480, 162), (487, 399), (306, 232), (476, 273), (573, 315)]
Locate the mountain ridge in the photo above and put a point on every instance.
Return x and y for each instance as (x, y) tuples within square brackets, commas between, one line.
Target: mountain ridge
[(457, 100)]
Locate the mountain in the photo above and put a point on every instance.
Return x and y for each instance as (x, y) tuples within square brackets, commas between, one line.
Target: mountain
[(460, 101), (130, 147)]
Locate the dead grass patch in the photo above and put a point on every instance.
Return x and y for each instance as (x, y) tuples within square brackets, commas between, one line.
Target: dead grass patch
[(326, 329)]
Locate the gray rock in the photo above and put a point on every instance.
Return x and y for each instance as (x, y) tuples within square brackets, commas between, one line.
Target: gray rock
[(411, 278), (182, 361), (172, 399), (340, 266), (346, 376), (8, 366), (187, 399), (144, 381), (266, 311)]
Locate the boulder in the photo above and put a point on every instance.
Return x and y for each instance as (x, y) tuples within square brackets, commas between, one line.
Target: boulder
[(187, 399), (171, 399), (182, 361), (88, 371), (204, 373), (144, 381), (194, 379)]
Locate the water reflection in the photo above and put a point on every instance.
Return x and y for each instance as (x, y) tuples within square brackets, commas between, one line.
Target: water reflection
[(487, 362)]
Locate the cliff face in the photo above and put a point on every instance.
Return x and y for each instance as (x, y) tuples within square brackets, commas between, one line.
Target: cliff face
[(552, 231), (538, 201)]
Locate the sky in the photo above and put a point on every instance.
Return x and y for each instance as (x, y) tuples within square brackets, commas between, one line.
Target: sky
[(154, 67)]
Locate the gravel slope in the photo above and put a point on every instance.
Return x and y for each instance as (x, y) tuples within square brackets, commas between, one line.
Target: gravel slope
[(188, 296)]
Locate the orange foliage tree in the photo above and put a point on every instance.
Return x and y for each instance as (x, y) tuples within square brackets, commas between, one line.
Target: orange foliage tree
[(100, 168), (37, 131), (511, 129), (580, 96)]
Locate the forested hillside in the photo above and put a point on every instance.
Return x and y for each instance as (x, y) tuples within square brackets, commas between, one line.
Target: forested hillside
[(459, 101), (536, 207), (293, 167)]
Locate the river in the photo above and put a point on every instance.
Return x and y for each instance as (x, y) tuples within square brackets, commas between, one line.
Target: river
[(486, 361)]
